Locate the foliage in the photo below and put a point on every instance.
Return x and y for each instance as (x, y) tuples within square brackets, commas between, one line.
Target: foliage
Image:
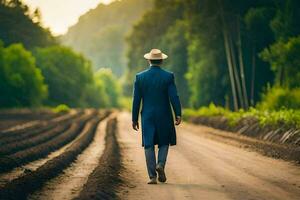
[(111, 86), (62, 108), (66, 73), (208, 77), (192, 33), (175, 43), (21, 82), (287, 116), (207, 74), (260, 35), (211, 110), (126, 103), (17, 25), (149, 33), (95, 95), (257, 22), (286, 23), (285, 61), (259, 41), (277, 98), (100, 33)]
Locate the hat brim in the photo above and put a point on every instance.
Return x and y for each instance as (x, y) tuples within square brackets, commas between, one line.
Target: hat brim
[(148, 56)]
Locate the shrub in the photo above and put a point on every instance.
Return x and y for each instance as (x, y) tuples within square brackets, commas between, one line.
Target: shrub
[(67, 74), (288, 117), (277, 98), (285, 61), (21, 82), (62, 108)]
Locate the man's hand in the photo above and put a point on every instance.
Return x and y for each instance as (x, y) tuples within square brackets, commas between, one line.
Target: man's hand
[(178, 120), (135, 126)]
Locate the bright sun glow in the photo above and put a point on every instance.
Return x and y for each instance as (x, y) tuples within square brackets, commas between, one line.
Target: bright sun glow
[(59, 15)]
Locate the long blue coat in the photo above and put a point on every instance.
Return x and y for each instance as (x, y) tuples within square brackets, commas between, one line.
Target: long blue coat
[(156, 89)]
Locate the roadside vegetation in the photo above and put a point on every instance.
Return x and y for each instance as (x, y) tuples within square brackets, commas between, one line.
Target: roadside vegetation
[(287, 117)]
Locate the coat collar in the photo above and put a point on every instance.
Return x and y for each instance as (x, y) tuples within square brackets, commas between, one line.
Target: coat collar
[(154, 67)]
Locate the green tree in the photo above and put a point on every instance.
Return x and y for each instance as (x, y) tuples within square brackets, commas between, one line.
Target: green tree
[(219, 40), (111, 86), (18, 26), (148, 33), (257, 24), (285, 61), (282, 54), (175, 43), (207, 74), (21, 82), (95, 95), (66, 73), (286, 23), (231, 42)]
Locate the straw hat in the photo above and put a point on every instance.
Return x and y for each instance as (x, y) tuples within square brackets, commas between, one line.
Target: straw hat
[(155, 54)]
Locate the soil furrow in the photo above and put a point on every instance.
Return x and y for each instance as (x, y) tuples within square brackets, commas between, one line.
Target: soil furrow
[(21, 187), (68, 184), (32, 166), (42, 126), (274, 150), (20, 158), (28, 141), (23, 144), (104, 181), (14, 119), (63, 120), (13, 137)]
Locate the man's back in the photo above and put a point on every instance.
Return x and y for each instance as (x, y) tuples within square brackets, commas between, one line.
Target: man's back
[(153, 84), (155, 89)]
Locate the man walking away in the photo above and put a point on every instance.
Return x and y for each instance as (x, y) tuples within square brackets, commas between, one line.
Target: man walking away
[(156, 89)]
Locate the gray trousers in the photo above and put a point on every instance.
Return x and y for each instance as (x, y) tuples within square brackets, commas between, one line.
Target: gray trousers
[(151, 159)]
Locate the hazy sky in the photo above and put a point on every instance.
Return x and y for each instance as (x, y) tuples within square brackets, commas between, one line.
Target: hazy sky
[(58, 15)]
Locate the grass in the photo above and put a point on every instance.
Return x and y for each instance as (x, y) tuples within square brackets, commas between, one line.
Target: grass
[(62, 108), (288, 117)]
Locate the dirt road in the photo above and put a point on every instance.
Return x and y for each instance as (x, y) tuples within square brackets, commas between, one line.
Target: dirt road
[(203, 168)]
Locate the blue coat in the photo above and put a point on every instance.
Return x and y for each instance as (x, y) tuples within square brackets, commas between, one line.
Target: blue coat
[(156, 89)]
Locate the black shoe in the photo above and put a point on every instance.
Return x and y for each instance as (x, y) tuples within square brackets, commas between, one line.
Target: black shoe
[(161, 174)]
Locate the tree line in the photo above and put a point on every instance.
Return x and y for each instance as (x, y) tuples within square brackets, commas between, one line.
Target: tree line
[(233, 53), (36, 70)]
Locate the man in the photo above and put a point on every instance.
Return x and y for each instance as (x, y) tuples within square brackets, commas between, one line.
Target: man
[(156, 89)]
